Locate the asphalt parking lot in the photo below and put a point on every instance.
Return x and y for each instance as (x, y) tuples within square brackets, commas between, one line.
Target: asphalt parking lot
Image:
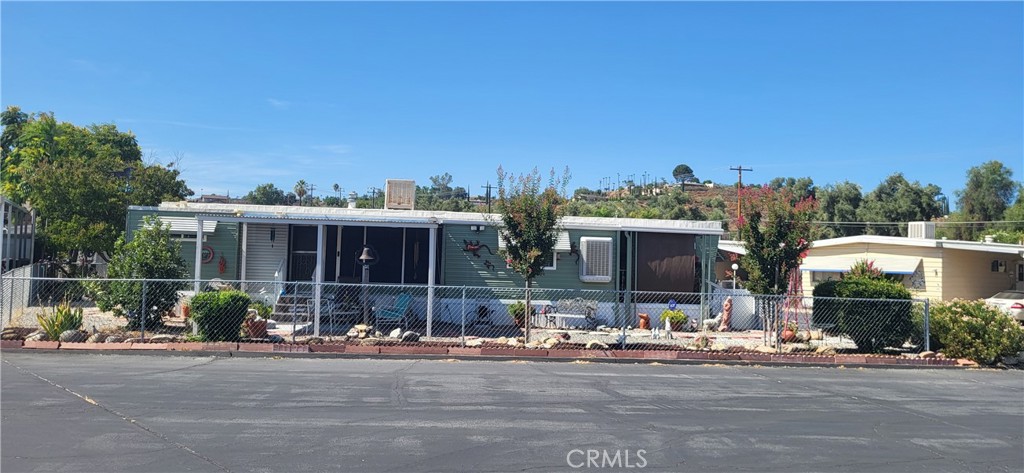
[(105, 413)]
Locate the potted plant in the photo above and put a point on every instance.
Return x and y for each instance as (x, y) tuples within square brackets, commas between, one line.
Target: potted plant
[(676, 319), (256, 319), (789, 332)]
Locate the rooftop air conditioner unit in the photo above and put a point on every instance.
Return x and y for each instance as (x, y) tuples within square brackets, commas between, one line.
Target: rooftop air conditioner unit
[(921, 230)]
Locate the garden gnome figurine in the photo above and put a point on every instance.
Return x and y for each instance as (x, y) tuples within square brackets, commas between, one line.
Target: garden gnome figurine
[(726, 315)]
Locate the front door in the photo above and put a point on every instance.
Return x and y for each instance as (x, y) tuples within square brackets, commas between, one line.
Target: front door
[(302, 253)]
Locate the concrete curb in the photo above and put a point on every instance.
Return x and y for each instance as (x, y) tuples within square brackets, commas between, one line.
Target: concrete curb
[(346, 351)]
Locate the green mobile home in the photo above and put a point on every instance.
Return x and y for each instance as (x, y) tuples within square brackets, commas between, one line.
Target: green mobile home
[(263, 245)]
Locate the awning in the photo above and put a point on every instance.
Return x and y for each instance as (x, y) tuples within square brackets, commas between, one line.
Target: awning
[(185, 225), (561, 245), (890, 264)]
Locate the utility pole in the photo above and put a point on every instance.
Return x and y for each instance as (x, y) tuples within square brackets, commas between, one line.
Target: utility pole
[(739, 190), (488, 195)]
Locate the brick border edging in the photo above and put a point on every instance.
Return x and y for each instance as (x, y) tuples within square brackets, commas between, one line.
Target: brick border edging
[(487, 353)]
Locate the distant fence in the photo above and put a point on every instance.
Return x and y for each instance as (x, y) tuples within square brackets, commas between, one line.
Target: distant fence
[(473, 316)]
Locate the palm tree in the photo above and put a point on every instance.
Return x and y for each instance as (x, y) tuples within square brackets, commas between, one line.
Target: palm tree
[(300, 190)]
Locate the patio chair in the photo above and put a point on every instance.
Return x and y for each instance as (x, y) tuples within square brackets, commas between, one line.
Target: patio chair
[(394, 315)]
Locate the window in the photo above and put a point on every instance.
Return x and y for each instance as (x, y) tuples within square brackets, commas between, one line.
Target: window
[(550, 261), (596, 259), (822, 276)]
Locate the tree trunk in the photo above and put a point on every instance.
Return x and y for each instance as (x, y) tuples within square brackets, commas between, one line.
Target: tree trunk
[(526, 322)]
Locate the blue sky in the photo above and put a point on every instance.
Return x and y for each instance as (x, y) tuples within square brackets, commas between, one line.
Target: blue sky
[(355, 93)]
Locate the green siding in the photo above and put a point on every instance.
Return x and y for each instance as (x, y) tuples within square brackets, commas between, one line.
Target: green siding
[(224, 241), (461, 268)]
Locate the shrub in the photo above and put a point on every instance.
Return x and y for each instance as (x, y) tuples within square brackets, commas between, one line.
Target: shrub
[(826, 309), (674, 317), (218, 315), (874, 324), (151, 254), (61, 319), (974, 330), (517, 310)]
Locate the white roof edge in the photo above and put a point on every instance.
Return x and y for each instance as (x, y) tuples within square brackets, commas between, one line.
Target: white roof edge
[(922, 242), (712, 227), (876, 239)]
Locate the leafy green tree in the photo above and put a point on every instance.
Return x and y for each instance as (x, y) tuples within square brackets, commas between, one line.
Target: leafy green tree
[(152, 184), (896, 201), (988, 192), (151, 254), (80, 179), (684, 173), (265, 194), (801, 187), (529, 222), (441, 183), (777, 233), (839, 203)]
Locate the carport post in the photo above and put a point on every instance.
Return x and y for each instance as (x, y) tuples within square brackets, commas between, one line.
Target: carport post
[(198, 267), (432, 265)]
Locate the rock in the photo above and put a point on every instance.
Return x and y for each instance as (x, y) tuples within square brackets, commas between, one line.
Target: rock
[(764, 349), (597, 345), (163, 338), (512, 342), (73, 336), (552, 341), (410, 337), (352, 333), (378, 334), (817, 335), (474, 343), (315, 341), (38, 336), (501, 340), (562, 335), (367, 342), (927, 354), (114, 339), (534, 344), (396, 333), (602, 328), (718, 347), (825, 351), (276, 339), (96, 338), (16, 333), (362, 327)]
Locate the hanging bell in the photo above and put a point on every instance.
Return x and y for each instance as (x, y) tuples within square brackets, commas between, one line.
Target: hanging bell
[(367, 255)]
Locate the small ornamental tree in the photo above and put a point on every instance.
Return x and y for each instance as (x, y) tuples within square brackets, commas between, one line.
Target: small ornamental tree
[(151, 254), (529, 222), (776, 228)]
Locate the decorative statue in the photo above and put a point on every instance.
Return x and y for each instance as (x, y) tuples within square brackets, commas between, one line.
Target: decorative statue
[(726, 315)]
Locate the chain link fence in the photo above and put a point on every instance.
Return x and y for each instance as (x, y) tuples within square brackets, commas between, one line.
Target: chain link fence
[(576, 319)]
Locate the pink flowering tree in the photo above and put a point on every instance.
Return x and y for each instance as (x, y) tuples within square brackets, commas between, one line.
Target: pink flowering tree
[(777, 230), (529, 223)]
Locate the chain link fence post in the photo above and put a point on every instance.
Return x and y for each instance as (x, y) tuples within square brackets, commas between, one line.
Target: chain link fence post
[(927, 331), (142, 313), (463, 316)]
